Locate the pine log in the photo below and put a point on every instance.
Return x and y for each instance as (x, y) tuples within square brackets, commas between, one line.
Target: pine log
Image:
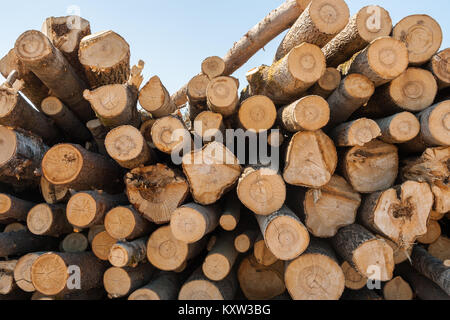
[(128, 254), (316, 274), (87, 209), (370, 23), (213, 67), (353, 279), (102, 244), (170, 135), (257, 114), (14, 208), (355, 133), (48, 220), (155, 98), (434, 231), (262, 253), (125, 223), (209, 125), (311, 160), (310, 113), (440, 249), (382, 61), (75, 243), (39, 55), (399, 128), (22, 271), (105, 57), (222, 96), (371, 168), (53, 194), (370, 256), (397, 289), (421, 34), (99, 133), (221, 259), (439, 67), (163, 287), (327, 84), (318, 24), (288, 79), (231, 214)]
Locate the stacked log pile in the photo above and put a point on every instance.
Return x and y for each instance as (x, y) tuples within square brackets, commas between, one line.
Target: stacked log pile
[(113, 188)]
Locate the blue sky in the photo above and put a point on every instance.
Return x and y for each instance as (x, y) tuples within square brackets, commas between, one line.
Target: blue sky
[(174, 36)]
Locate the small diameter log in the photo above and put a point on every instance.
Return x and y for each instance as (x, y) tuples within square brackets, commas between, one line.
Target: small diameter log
[(196, 90), (75, 243), (221, 259), (370, 23), (231, 214), (65, 119), (421, 34), (245, 239), (48, 220), (50, 65), (115, 105), (397, 290), (209, 125), (23, 242), (156, 191), (73, 166), (99, 133), (163, 287), (433, 233), (373, 167), (8, 286), (310, 113), (167, 253), (87, 209), (356, 133), (319, 262), (275, 138), (353, 279), (213, 67), (51, 271), (382, 61), (191, 222), (257, 114), (354, 91), (399, 128), (14, 227), (259, 282), (16, 112), (22, 271), (128, 254), (14, 208), (105, 57), (432, 268), (284, 234), (155, 98), (262, 190), (54, 194), (125, 223), (318, 24), (286, 80), (370, 256), (222, 96), (440, 249), (169, 135), (211, 172), (262, 253), (400, 254), (439, 67), (198, 287), (102, 244), (327, 84), (311, 160)]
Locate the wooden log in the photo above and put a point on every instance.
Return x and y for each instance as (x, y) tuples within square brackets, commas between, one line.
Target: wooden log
[(319, 262), (355, 133), (397, 289), (163, 287), (106, 58), (421, 34), (39, 55), (222, 95), (383, 60), (125, 223), (191, 222), (327, 84), (155, 98), (211, 172), (102, 244), (73, 166), (48, 220), (197, 90), (167, 253), (399, 128), (209, 125), (245, 239), (50, 272), (75, 243), (400, 254), (310, 113), (87, 209), (354, 91), (231, 214), (433, 233), (94, 231), (23, 242), (170, 135), (284, 234), (289, 78), (370, 23), (198, 287), (440, 249), (259, 282), (14, 208), (432, 268), (370, 256), (439, 67), (221, 259), (435, 215), (14, 227), (262, 253), (7, 284), (22, 271), (353, 279), (371, 168), (53, 194), (128, 254), (213, 67), (99, 133), (65, 119), (275, 138), (257, 114), (318, 24), (311, 160)]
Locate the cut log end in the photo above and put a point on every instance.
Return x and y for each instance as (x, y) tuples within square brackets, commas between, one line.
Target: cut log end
[(367, 29), (102, 244), (440, 68), (400, 128), (169, 134), (8, 144), (188, 225), (32, 45), (222, 95), (52, 106), (49, 274), (81, 210), (155, 98), (62, 164), (353, 279), (213, 67), (208, 125), (196, 88), (257, 114), (375, 260), (398, 289), (306, 63)]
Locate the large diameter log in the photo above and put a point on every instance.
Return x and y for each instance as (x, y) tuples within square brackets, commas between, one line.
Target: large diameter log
[(211, 172), (38, 54), (400, 213), (353, 279), (221, 258), (22, 271), (382, 61), (48, 220), (311, 160), (128, 254), (318, 24), (257, 114), (222, 95), (399, 128), (398, 289), (156, 191), (284, 234), (370, 256), (169, 135), (23, 242), (102, 244), (72, 165), (373, 167), (106, 58), (286, 80), (320, 263), (163, 287), (155, 98), (439, 66), (87, 209), (125, 223), (370, 23), (14, 208), (421, 34), (327, 84), (120, 282), (54, 194), (356, 133), (50, 272)]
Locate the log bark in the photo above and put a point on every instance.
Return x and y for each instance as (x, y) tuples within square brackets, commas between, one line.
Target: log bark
[(399, 128), (163, 287), (23, 242), (75, 243), (318, 24), (170, 135), (50, 65), (102, 244), (221, 259), (222, 95), (231, 214), (439, 67), (155, 98), (125, 223), (22, 271), (353, 279), (433, 233), (440, 249), (327, 84), (128, 254), (14, 208), (48, 220), (356, 133), (54, 194), (99, 133), (105, 57)]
